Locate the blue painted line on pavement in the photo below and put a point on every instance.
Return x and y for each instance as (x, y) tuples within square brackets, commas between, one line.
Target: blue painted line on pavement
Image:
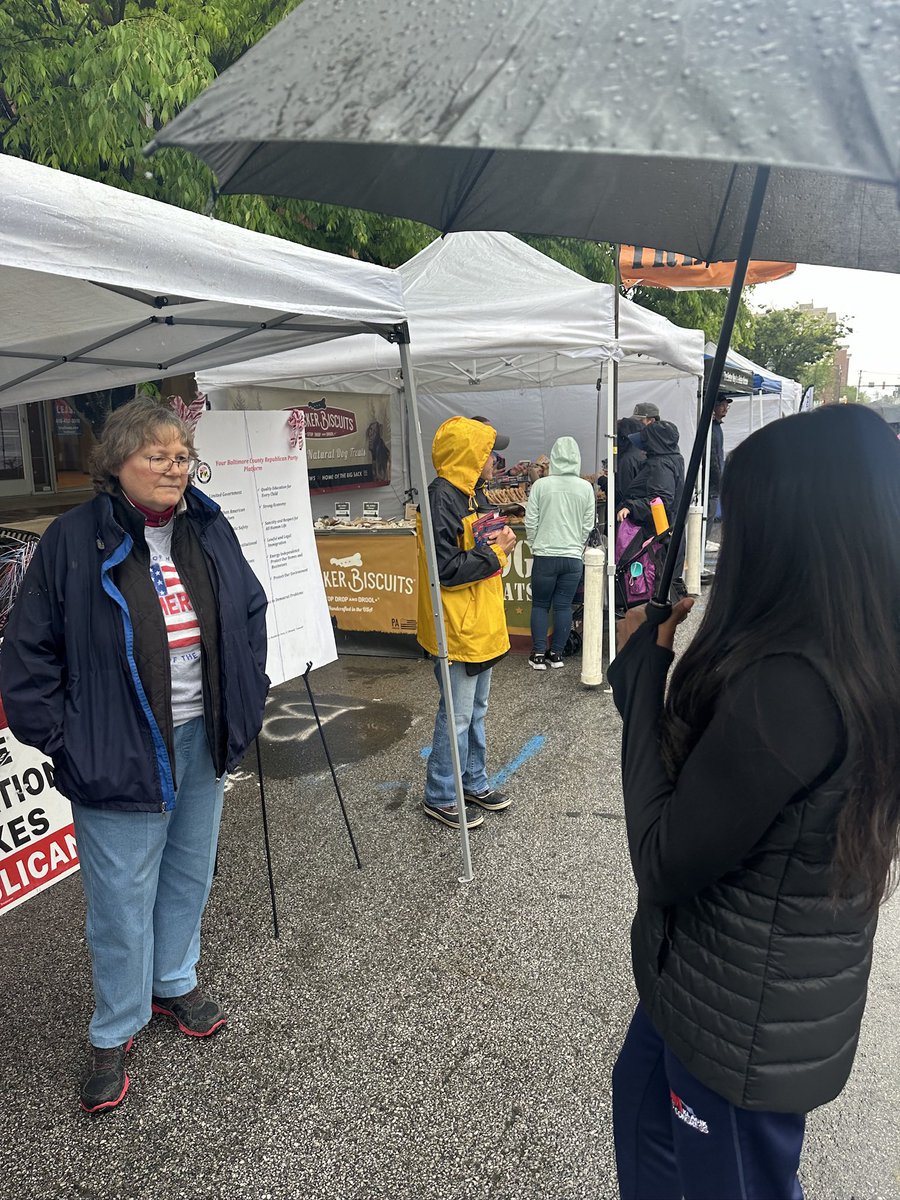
[(425, 752), (528, 751)]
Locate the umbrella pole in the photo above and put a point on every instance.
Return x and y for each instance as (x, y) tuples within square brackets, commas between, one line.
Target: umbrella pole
[(612, 464), (660, 599), (434, 586)]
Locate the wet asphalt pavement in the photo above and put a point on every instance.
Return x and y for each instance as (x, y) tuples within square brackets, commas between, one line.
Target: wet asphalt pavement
[(405, 1036)]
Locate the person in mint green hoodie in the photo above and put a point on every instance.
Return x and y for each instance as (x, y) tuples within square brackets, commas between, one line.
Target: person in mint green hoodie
[(560, 513)]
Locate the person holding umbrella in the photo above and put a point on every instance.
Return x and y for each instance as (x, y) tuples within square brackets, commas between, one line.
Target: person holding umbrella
[(763, 819)]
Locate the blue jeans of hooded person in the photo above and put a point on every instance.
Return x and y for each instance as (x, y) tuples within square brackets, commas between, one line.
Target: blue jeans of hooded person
[(146, 878), (554, 582), (470, 700), (678, 1140)]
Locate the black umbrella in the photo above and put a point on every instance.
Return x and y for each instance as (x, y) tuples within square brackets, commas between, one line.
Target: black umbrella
[(704, 126)]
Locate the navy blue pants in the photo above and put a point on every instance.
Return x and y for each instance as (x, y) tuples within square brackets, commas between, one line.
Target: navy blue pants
[(554, 582), (677, 1140)]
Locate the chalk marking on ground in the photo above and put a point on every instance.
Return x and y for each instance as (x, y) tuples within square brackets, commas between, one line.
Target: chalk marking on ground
[(528, 751)]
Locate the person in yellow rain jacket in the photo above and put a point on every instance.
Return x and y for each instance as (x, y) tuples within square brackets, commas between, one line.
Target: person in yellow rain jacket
[(472, 599)]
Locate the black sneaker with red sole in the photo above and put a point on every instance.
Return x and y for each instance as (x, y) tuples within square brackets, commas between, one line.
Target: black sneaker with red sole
[(105, 1083), (195, 1013)]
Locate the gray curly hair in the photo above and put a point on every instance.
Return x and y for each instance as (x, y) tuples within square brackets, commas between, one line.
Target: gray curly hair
[(129, 428)]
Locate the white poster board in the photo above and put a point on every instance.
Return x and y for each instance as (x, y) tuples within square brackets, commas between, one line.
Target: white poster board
[(37, 841), (253, 465)]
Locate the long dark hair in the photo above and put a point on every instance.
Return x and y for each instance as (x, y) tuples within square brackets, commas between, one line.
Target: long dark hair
[(811, 552)]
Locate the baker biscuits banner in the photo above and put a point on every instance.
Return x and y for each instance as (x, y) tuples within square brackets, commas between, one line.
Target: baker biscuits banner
[(663, 269), (348, 441), (370, 581), (517, 587), (37, 840)]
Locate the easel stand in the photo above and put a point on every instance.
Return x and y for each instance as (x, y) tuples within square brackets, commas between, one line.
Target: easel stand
[(265, 816)]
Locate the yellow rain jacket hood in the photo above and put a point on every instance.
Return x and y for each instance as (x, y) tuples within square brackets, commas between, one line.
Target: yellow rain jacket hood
[(471, 583)]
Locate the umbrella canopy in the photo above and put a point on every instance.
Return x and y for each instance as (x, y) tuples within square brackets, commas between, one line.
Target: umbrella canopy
[(615, 121), (99, 288)]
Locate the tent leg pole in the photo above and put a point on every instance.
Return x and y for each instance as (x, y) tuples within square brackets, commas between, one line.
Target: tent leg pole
[(660, 601), (437, 608)]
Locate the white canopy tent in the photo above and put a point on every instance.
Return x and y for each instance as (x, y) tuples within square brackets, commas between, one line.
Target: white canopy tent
[(500, 330), (773, 396), (100, 288)]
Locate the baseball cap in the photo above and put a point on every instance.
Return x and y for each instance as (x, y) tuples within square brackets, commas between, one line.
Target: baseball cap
[(646, 408), (501, 441)]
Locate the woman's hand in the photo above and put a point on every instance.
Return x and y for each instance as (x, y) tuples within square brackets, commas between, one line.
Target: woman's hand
[(665, 633), (622, 514)]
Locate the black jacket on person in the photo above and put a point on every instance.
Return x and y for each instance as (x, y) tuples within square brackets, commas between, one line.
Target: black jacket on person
[(662, 474), (84, 671), (751, 972), (629, 460), (716, 458)]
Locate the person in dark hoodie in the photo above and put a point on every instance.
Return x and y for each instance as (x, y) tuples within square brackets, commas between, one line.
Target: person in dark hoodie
[(629, 456), (134, 658), (661, 475)]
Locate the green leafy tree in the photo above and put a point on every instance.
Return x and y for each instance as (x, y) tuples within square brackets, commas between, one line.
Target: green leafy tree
[(700, 308), (85, 85), (798, 344)]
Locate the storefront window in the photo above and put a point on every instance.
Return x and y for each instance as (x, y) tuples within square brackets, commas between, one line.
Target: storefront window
[(12, 462), (72, 444)]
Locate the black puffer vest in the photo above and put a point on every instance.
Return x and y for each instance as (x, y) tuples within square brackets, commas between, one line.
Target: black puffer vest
[(758, 983)]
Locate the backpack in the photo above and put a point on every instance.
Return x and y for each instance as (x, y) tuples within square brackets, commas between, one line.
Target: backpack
[(638, 559)]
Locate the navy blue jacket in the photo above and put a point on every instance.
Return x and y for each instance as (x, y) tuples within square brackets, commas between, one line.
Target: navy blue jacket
[(69, 667)]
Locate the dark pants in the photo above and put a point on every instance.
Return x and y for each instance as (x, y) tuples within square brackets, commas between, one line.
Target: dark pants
[(554, 581), (677, 1139)]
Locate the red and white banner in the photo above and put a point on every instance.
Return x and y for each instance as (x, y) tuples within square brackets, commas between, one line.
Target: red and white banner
[(37, 841)]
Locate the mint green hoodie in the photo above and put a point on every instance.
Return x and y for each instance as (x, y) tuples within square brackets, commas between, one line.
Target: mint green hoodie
[(561, 508)]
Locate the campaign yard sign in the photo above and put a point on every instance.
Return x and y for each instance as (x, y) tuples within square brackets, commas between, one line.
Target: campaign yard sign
[(37, 840)]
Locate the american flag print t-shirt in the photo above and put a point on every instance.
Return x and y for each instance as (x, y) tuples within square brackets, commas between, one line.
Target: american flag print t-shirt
[(182, 626)]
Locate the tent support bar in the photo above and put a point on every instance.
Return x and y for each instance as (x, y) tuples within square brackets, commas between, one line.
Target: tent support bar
[(437, 608), (660, 599), (66, 358)]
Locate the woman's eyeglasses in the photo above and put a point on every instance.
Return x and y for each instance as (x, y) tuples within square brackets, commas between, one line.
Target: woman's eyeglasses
[(160, 464)]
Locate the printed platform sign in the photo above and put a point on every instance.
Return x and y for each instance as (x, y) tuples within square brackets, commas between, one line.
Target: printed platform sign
[(254, 467), (370, 581), (37, 841)]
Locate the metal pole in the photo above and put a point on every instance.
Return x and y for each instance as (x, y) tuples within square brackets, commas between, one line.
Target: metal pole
[(267, 847), (437, 608), (612, 416), (660, 602), (334, 778)]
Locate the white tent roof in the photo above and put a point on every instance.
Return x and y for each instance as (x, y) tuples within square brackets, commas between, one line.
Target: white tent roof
[(486, 310), (99, 287)]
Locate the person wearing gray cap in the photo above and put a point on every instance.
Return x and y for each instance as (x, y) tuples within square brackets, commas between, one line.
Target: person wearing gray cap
[(646, 412)]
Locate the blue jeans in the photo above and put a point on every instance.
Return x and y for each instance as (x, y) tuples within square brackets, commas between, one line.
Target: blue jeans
[(554, 582), (146, 878), (676, 1138), (470, 700)]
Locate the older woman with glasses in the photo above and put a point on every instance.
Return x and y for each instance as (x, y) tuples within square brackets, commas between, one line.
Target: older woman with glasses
[(135, 659)]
